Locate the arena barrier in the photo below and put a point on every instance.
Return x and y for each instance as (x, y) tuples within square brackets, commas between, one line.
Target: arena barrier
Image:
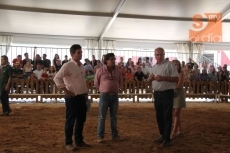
[(21, 88)]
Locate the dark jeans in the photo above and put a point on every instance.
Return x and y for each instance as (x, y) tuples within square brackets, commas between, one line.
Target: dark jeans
[(164, 106), (75, 113), (5, 101)]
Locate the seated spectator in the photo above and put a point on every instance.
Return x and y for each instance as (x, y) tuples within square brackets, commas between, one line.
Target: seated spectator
[(17, 72), (90, 76), (212, 75), (58, 65), (97, 66), (32, 77), (65, 60), (194, 76), (18, 61), (145, 70), (139, 75), (133, 67), (44, 75), (38, 72), (204, 76), (51, 72), (27, 69), (139, 62), (148, 64), (128, 75), (88, 67)]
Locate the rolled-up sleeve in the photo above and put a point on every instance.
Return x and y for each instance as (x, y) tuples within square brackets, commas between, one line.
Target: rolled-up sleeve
[(58, 79)]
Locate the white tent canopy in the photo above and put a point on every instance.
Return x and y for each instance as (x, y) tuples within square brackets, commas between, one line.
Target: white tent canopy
[(125, 21)]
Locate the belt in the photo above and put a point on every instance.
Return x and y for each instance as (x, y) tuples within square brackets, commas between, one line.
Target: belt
[(165, 91), (110, 93), (81, 94)]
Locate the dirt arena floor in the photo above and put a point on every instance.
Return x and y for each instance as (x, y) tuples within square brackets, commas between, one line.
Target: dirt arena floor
[(39, 128)]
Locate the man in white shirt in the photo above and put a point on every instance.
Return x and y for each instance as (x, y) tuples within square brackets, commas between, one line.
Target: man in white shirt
[(71, 79), (38, 72)]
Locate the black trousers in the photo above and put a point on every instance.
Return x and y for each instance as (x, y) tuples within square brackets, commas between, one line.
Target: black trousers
[(75, 114), (5, 101), (163, 102)]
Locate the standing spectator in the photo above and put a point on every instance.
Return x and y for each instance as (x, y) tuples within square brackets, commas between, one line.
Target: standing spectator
[(178, 103), (26, 59), (224, 74), (163, 76), (93, 62), (191, 63), (212, 75), (46, 62), (128, 63), (148, 64), (5, 82), (203, 76), (37, 60), (38, 72), (108, 80), (27, 69), (56, 57), (18, 60), (183, 65), (76, 94), (121, 61), (65, 60)]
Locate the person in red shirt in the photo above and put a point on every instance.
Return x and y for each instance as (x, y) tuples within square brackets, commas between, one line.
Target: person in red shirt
[(18, 60), (44, 75)]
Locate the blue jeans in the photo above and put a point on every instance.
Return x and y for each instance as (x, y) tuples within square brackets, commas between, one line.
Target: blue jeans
[(75, 114), (111, 102)]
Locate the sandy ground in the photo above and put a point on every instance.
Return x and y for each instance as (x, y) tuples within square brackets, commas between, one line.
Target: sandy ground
[(39, 128)]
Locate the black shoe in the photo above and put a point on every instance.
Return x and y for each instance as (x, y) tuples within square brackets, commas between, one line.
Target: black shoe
[(2, 114), (83, 144), (160, 140), (165, 144)]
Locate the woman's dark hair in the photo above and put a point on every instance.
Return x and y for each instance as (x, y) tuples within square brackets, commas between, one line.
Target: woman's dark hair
[(178, 62), (74, 47), (107, 57), (128, 69)]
